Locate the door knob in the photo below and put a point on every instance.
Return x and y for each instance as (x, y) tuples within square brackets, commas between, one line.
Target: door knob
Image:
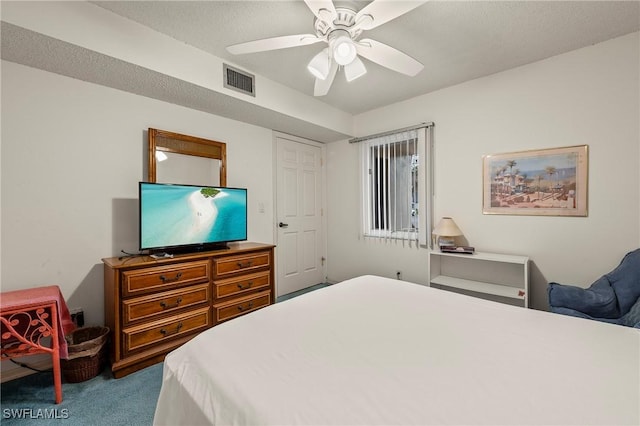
[(283, 225)]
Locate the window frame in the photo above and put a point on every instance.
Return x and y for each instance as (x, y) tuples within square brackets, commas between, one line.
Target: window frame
[(424, 148)]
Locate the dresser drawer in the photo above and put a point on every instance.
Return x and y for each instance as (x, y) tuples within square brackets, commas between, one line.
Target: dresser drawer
[(241, 284), (158, 278), (144, 336), (147, 307), (225, 266), (231, 309)]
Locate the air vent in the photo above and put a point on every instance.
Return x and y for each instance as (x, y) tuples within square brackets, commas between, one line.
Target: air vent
[(238, 80)]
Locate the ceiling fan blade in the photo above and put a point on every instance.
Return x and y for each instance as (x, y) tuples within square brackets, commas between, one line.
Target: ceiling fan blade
[(388, 57), (322, 87), (273, 43), (323, 9), (383, 11)]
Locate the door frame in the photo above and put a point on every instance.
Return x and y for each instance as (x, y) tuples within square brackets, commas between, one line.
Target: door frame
[(323, 195)]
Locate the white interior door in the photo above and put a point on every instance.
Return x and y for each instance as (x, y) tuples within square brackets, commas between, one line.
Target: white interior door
[(300, 238)]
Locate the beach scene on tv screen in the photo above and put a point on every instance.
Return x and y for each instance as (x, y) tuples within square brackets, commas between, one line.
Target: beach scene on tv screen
[(181, 215)]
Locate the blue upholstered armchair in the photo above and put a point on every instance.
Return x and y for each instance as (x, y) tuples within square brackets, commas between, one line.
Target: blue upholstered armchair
[(614, 298)]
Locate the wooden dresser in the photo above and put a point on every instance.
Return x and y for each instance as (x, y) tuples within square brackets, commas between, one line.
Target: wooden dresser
[(152, 306)]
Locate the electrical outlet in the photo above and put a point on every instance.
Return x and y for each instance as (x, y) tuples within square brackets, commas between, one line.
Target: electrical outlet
[(77, 316)]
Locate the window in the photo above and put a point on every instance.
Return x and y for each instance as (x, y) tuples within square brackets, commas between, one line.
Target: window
[(395, 186)]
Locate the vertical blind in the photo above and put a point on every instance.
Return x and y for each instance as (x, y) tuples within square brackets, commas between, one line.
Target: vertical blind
[(394, 186)]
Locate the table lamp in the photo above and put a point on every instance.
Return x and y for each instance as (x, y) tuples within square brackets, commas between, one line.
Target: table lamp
[(445, 231)]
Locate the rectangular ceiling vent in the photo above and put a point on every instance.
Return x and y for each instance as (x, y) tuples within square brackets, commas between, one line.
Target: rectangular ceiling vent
[(240, 81)]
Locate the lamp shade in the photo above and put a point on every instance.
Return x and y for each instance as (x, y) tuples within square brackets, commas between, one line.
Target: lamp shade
[(342, 47), (161, 156), (354, 70), (319, 65), (447, 228)]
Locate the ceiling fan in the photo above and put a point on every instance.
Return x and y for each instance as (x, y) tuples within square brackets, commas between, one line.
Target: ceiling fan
[(340, 28)]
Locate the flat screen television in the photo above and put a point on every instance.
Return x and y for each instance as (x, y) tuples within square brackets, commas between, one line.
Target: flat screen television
[(184, 218)]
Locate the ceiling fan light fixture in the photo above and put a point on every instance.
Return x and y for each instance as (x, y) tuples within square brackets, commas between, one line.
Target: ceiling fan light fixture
[(343, 48), (161, 156), (354, 70), (319, 65), (341, 27)]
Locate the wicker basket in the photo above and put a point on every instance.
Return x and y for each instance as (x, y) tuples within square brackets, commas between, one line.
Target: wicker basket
[(87, 354)]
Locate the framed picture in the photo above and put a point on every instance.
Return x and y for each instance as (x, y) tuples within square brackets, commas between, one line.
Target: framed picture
[(543, 182)]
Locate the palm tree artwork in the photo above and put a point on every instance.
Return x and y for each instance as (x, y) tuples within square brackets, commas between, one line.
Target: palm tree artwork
[(510, 164), (539, 178), (537, 182), (551, 170)]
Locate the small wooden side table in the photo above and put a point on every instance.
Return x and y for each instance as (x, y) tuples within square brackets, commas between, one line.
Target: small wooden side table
[(27, 319)]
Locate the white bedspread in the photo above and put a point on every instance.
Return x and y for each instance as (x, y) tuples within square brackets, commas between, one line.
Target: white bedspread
[(375, 351)]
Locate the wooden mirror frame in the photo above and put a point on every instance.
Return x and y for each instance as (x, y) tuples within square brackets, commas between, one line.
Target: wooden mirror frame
[(162, 140)]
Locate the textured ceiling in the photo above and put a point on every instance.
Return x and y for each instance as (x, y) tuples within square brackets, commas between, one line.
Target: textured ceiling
[(456, 40)]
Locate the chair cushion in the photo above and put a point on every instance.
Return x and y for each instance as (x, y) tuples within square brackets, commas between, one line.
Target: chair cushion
[(615, 297), (574, 313), (598, 301), (632, 318), (625, 281)]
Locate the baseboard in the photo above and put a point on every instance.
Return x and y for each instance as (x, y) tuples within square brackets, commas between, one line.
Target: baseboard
[(13, 371)]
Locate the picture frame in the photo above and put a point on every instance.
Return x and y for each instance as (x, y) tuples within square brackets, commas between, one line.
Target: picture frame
[(541, 182)]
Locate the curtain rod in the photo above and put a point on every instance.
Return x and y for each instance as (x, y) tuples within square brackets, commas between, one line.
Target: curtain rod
[(391, 132)]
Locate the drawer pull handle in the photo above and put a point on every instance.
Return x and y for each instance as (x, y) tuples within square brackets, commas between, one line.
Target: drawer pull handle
[(168, 280), (242, 308), (245, 264), (165, 306), (165, 333), (244, 287)]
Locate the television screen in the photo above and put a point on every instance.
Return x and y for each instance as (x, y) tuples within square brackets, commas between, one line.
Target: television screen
[(187, 216)]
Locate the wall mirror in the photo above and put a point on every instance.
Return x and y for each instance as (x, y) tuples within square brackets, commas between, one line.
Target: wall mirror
[(176, 158)]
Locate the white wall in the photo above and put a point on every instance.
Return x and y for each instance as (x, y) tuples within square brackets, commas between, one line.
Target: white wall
[(72, 155), (588, 96), (73, 152), (98, 30)]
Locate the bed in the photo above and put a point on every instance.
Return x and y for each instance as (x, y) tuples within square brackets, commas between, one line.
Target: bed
[(376, 351)]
